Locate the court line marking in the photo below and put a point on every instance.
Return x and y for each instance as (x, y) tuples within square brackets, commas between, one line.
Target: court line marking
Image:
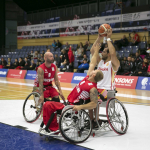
[(70, 89)]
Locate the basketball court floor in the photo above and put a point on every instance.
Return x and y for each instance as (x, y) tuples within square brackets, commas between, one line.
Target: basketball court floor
[(16, 133)]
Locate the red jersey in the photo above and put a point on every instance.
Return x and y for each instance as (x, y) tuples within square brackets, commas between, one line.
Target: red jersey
[(49, 74), (81, 90), (136, 36)]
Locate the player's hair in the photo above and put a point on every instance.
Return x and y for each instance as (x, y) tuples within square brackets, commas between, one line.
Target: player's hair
[(99, 76)]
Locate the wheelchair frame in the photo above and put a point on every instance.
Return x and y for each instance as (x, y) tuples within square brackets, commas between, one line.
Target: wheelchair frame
[(104, 125)]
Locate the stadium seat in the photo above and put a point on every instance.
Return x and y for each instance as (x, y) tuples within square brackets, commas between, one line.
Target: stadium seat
[(117, 11), (123, 49), (128, 3), (126, 54), (135, 49), (57, 19), (129, 48), (111, 7), (142, 45), (103, 13), (109, 12)]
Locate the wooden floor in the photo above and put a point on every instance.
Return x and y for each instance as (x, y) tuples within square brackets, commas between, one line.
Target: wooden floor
[(18, 89)]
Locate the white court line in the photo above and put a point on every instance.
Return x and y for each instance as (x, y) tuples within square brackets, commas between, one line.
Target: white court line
[(70, 89)]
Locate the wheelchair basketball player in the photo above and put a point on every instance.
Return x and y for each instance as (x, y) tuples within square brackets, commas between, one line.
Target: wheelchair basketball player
[(46, 73), (109, 65), (83, 96)]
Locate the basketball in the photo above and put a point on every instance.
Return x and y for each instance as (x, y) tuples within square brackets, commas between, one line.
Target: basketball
[(103, 29)]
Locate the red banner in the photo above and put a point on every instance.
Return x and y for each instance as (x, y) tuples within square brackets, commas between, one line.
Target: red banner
[(18, 74), (128, 82), (65, 77)]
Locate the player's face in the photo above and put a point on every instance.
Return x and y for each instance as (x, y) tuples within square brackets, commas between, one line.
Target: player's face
[(105, 54), (50, 58)]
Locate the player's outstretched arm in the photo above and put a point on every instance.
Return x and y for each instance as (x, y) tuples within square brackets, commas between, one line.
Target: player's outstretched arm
[(114, 60), (90, 105), (40, 73), (94, 59), (57, 83)]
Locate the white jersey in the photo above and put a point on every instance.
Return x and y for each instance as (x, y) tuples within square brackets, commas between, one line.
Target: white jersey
[(108, 81)]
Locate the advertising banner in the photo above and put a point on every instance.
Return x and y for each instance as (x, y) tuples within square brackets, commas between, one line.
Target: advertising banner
[(3, 72), (18, 74), (77, 77), (143, 83), (128, 82), (88, 25), (65, 77), (31, 75)]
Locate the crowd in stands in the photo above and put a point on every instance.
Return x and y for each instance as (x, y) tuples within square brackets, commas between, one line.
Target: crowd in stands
[(133, 64)]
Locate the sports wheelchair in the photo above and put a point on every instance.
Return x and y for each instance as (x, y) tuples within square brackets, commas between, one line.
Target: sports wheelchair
[(76, 126)]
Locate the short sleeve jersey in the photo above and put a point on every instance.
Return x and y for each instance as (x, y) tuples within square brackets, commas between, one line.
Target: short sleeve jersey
[(49, 74), (81, 90)]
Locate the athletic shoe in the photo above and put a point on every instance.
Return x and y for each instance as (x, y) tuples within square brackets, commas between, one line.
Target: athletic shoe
[(95, 125), (40, 129), (44, 132)]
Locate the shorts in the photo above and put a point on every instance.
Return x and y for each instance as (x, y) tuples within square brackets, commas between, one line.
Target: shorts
[(48, 92), (49, 108)]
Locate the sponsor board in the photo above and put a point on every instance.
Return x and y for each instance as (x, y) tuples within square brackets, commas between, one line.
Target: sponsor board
[(128, 82), (18, 74), (65, 77), (143, 83), (31, 75), (77, 77), (3, 72)]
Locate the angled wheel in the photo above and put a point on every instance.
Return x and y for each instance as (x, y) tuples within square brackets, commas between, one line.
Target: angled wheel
[(117, 116), (31, 111), (75, 126)]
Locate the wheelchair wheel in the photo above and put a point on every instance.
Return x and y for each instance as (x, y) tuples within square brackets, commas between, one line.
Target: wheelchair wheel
[(31, 112), (75, 126), (117, 116)]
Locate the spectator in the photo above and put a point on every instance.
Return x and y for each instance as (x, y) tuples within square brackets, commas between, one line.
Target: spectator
[(84, 57), (141, 69), (41, 58), (84, 66), (43, 52), (35, 55), (48, 50), (71, 59), (54, 44), (85, 46), (80, 44), (57, 60), (3, 62), (127, 68), (63, 56), (9, 64), (133, 64), (138, 58), (30, 55), (67, 47), (38, 53), (31, 67), (15, 64), (148, 56), (27, 64), (21, 63), (123, 42), (58, 44), (148, 70), (79, 52), (135, 39), (64, 65), (89, 46)]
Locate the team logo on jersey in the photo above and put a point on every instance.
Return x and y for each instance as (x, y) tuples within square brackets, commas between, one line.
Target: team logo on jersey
[(46, 71), (107, 64), (53, 69), (90, 84)]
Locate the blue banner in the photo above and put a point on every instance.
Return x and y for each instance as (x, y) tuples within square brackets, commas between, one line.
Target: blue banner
[(143, 83), (3, 72), (77, 77), (31, 75)]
